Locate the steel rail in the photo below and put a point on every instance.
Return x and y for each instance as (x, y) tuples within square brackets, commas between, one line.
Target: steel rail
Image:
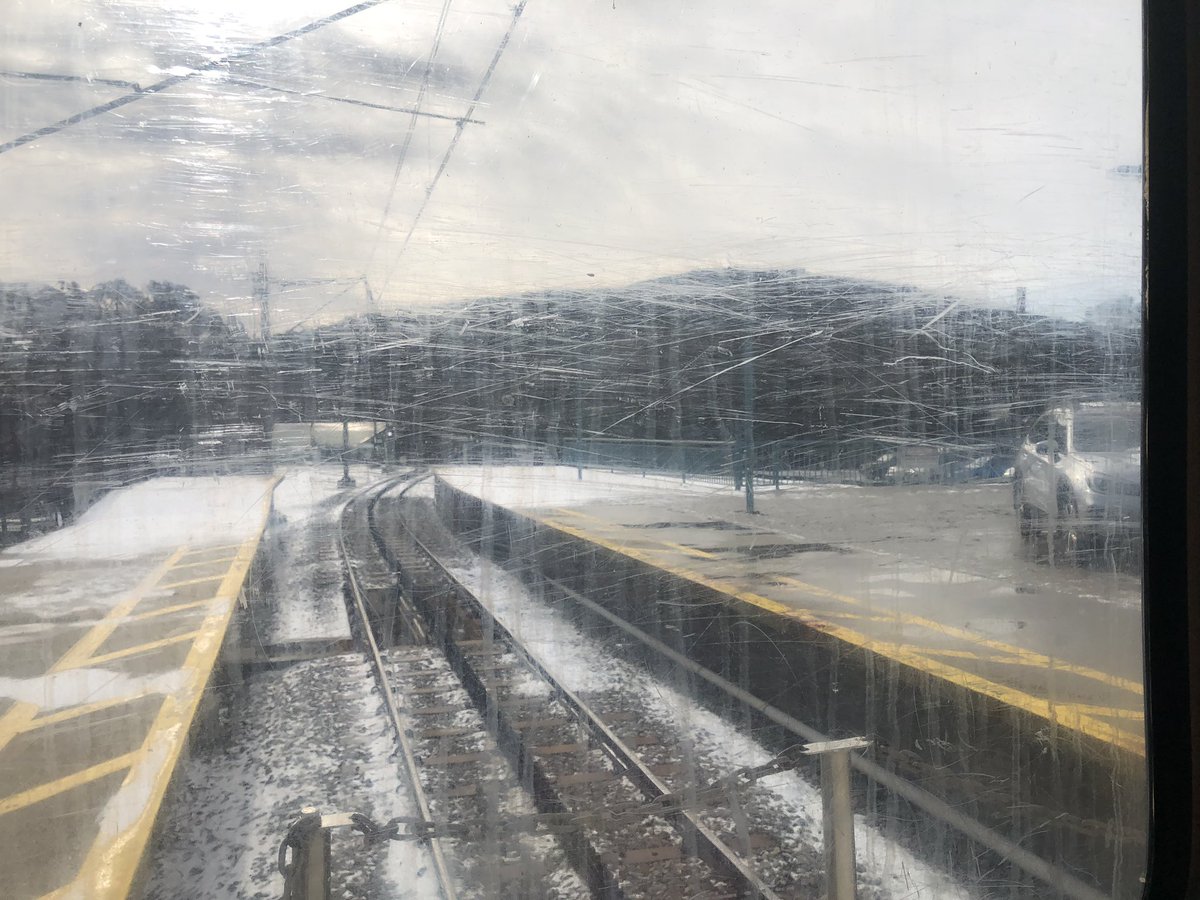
[(389, 698), (711, 848), (601, 881)]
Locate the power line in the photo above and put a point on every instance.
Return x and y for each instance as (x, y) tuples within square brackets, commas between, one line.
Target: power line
[(458, 131), (412, 126), (313, 95), (171, 81), (54, 76)]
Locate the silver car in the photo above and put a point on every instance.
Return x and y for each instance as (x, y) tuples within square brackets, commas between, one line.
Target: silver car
[(1077, 475)]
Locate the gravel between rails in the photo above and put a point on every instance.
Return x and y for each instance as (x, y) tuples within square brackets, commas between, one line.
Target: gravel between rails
[(466, 778)]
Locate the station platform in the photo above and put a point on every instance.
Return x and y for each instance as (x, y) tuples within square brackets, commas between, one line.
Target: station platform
[(109, 632), (931, 577)]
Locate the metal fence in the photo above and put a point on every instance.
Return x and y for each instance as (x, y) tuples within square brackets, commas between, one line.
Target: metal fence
[(710, 462)]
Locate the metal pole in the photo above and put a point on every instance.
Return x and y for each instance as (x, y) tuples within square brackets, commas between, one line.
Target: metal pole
[(346, 481), (838, 815), (312, 864), (748, 406), (579, 439)]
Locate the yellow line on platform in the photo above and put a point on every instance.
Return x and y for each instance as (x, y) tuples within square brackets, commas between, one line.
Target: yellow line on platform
[(171, 585), (1027, 657), (1110, 712), (147, 647), (1067, 715), (574, 512), (75, 712), (114, 858), (50, 789), (971, 654), (1022, 656), (169, 610), (215, 548), (21, 716), (15, 720), (203, 562), (1055, 665), (102, 630), (690, 551)]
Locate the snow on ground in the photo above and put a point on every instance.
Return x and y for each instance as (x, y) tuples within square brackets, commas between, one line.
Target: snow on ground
[(313, 734), (528, 487), (77, 574), (157, 516), (76, 686), (54, 593), (305, 492), (584, 667), (301, 550)]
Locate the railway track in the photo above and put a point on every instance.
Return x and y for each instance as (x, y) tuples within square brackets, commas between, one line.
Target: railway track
[(528, 789), (656, 624), (514, 775)]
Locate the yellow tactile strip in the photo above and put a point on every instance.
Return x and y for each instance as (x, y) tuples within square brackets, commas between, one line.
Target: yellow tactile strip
[(172, 596), (1122, 726)]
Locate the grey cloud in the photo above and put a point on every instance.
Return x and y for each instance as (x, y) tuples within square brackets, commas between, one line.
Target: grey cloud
[(964, 147)]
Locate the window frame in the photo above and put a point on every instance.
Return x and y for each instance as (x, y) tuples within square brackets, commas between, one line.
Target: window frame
[(1171, 442)]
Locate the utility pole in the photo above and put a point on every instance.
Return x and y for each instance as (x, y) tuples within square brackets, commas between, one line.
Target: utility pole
[(346, 480), (262, 293), (579, 436), (748, 411), (372, 309)]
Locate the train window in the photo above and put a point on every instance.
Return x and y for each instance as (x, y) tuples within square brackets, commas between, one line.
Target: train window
[(496, 449)]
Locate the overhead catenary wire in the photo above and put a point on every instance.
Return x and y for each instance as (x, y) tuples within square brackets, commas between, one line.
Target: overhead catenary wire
[(458, 131), (412, 127), (58, 76), (140, 93), (415, 112)]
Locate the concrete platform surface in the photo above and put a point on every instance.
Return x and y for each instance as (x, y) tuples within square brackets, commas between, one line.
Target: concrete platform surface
[(109, 630), (931, 576)]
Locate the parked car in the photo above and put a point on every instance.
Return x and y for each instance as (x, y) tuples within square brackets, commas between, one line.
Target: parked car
[(1077, 475), (990, 467), (909, 464)]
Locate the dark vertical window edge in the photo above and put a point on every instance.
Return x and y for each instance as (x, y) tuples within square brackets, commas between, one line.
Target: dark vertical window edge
[(1171, 610)]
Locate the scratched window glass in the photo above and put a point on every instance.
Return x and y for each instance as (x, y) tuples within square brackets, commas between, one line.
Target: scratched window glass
[(453, 448)]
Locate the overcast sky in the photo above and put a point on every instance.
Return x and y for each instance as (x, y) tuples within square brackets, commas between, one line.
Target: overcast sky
[(967, 148)]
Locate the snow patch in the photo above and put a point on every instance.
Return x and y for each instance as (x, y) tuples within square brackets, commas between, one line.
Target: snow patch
[(527, 487), (75, 687), (159, 515)]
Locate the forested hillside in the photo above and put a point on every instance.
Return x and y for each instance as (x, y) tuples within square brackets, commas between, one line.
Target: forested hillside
[(113, 382), (109, 384), (827, 368)]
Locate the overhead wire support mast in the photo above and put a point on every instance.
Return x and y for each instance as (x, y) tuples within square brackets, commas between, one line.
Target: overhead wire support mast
[(158, 87)]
